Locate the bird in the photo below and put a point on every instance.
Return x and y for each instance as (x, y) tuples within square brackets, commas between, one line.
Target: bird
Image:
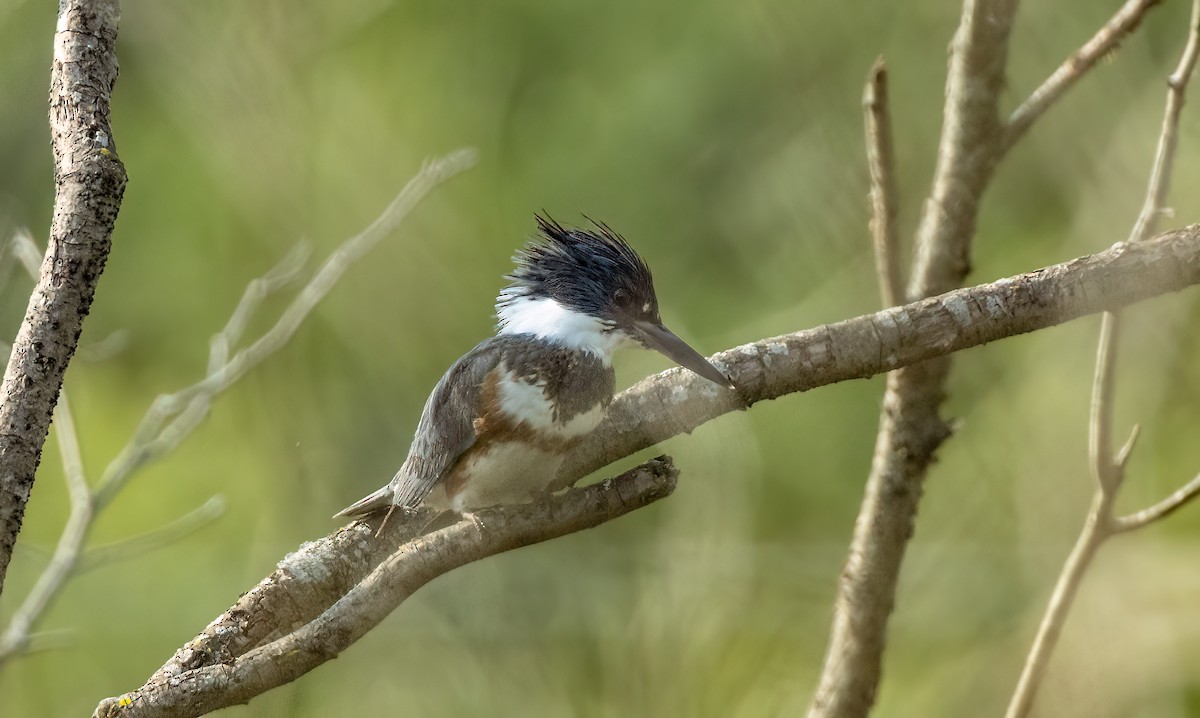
[(503, 418)]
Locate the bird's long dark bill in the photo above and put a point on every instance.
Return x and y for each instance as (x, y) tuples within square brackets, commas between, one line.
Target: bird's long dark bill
[(661, 339)]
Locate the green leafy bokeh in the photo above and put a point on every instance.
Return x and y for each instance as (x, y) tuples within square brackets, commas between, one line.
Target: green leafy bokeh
[(724, 139)]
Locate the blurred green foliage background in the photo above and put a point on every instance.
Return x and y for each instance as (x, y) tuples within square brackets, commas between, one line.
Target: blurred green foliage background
[(724, 139)]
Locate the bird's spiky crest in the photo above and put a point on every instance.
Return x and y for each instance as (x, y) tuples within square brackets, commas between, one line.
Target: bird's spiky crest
[(581, 268)]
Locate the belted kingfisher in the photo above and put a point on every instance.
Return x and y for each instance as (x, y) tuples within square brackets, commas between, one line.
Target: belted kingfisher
[(502, 419)]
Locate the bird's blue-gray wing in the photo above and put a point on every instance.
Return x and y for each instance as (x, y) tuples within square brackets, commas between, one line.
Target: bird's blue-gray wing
[(445, 432)]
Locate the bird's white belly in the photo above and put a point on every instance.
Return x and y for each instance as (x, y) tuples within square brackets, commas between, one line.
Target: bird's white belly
[(525, 403), (507, 473)]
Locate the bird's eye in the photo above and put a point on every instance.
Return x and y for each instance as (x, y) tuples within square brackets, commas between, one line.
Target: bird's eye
[(620, 296)]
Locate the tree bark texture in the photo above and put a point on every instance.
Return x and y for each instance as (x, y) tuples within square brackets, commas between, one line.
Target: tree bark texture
[(89, 183)]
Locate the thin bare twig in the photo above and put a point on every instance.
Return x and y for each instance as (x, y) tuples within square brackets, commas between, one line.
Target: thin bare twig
[(1109, 469), (1127, 449), (47, 641), (1155, 204), (180, 528), (1106, 39), (885, 207), (26, 251), (1159, 511), (172, 418), (104, 349), (1094, 531)]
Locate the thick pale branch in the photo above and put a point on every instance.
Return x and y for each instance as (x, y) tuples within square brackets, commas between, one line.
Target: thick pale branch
[(89, 183), (968, 150), (676, 401), (231, 681), (303, 585)]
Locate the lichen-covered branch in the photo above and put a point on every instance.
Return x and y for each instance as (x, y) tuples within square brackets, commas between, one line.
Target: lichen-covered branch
[(248, 670), (89, 184)]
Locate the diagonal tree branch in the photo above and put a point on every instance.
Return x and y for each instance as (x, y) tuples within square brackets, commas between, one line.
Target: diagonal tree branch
[(313, 579), (1159, 511), (415, 563), (1105, 41), (89, 183), (165, 535)]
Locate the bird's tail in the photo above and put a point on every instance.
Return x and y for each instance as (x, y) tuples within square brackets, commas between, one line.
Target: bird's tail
[(373, 503)]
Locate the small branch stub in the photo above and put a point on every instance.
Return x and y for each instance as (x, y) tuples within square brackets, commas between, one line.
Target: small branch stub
[(881, 161)]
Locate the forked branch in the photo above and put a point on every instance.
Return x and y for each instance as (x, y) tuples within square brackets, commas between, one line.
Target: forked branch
[(1108, 469)]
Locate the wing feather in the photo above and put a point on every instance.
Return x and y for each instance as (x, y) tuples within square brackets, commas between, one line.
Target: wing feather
[(445, 432)]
